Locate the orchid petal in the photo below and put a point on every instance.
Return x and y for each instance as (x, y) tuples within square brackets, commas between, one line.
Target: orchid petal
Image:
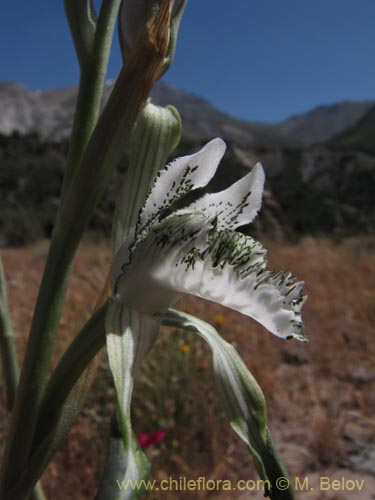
[(179, 178), (185, 254), (130, 335), (139, 283), (238, 204), (242, 400)]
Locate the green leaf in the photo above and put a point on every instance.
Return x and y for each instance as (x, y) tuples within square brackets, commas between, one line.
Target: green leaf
[(62, 400), (46, 449), (101, 157)]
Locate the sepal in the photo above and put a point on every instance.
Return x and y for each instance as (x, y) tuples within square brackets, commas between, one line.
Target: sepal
[(130, 335), (242, 399), (157, 133)]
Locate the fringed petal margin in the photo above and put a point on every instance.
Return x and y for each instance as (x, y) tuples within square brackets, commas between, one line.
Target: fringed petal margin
[(185, 253)]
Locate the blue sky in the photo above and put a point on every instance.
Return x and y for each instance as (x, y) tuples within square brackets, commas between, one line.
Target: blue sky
[(260, 60)]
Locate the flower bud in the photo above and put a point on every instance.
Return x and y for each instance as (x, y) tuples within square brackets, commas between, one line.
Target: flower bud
[(134, 17)]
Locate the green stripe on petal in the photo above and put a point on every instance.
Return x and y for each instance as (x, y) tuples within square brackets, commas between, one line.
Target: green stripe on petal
[(242, 400), (130, 336), (156, 134)]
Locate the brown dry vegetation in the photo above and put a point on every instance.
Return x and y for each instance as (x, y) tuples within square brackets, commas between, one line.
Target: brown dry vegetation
[(320, 395)]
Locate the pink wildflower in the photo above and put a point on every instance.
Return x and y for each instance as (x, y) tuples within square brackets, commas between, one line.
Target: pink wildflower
[(149, 438)]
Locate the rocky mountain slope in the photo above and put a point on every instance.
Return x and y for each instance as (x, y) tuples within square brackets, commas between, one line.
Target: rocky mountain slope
[(50, 113), (360, 136), (324, 122), (320, 189)]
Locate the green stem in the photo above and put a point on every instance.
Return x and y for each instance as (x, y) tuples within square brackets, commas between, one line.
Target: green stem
[(35, 367), (7, 344), (101, 157), (54, 283), (9, 359), (90, 90)]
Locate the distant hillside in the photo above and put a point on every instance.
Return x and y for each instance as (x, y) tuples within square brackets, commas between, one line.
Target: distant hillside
[(201, 121), (50, 114), (26, 111), (309, 191), (312, 189), (324, 122), (360, 136)]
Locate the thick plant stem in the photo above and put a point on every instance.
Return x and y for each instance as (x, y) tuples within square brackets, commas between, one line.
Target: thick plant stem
[(93, 70), (101, 157), (9, 359), (85, 118), (90, 90)]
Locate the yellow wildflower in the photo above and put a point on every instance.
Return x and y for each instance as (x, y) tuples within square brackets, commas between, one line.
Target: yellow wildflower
[(184, 348), (219, 319)]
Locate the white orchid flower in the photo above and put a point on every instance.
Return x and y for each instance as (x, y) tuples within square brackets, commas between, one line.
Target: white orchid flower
[(196, 250)]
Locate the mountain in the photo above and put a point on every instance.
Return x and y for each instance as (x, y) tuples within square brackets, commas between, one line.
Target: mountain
[(315, 190), (360, 136), (324, 122), (25, 111), (312, 189), (201, 121), (50, 114)]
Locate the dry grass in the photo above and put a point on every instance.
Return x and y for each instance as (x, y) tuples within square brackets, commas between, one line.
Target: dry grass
[(320, 396)]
